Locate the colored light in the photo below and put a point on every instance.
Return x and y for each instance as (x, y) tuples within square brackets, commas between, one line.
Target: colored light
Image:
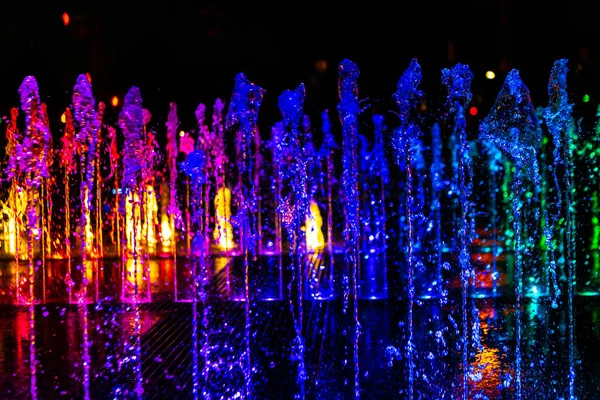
[(89, 77), (66, 19), (181, 134), (490, 75), (63, 118), (115, 101), (586, 98), (473, 111), (321, 65)]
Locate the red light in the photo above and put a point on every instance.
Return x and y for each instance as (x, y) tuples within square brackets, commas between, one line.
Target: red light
[(473, 111), (66, 19)]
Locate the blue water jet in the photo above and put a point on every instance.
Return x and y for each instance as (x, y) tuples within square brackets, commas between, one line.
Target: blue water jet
[(436, 172), (513, 127), (495, 164), (561, 125), (349, 110), (293, 210), (242, 117), (194, 167), (325, 157), (407, 96), (458, 82), (87, 139), (373, 176), (32, 157), (131, 122)]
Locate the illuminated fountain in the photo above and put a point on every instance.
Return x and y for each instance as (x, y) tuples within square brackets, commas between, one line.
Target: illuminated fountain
[(241, 122), (14, 208), (589, 285), (194, 168), (325, 159), (458, 82), (33, 149), (453, 238), (313, 228), (275, 246), (373, 179), (29, 164), (88, 121), (223, 232), (173, 210), (349, 110), (497, 169), (292, 210), (114, 215), (514, 128), (67, 162), (561, 125), (435, 226), (135, 272)]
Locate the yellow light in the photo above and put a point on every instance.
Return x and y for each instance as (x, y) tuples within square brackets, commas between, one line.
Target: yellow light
[(166, 232), (223, 233), (88, 233), (133, 220), (115, 101), (220, 263), (11, 212), (490, 75), (141, 215), (151, 213), (63, 118), (134, 272), (314, 234), (181, 134)]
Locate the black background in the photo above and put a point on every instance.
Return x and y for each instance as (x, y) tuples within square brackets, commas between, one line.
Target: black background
[(189, 52)]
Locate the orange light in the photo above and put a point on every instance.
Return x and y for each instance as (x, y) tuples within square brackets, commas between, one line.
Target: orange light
[(473, 111), (114, 101), (89, 77), (66, 19), (321, 65)]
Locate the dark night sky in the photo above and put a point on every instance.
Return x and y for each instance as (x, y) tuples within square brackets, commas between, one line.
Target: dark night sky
[(190, 51)]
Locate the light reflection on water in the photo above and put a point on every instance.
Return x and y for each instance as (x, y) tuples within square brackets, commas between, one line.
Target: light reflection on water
[(163, 353)]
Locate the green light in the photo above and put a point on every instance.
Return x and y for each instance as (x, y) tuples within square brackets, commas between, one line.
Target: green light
[(586, 98)]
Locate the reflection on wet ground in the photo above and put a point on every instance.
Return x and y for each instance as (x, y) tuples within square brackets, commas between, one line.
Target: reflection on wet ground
[(147, 350)]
